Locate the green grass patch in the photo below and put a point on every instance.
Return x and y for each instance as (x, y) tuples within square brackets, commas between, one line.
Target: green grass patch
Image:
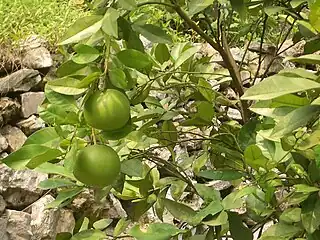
[(47, 18)]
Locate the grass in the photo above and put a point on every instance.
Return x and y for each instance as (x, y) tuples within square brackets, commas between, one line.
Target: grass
[(47, 18)]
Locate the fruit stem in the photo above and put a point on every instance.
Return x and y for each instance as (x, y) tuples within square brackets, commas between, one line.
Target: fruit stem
[(93, 136)]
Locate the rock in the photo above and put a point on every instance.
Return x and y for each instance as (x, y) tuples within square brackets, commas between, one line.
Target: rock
[(31, 125), (44, 221), (146, 43), (30, 102), (2, 205), (219, 184), (21, 81), (3, 155), (18, 225), (37, 58), (3, 227), (66, 221), (20, 188), (3, 143), (9, 110), (15, 137), (32, 42), (85, 204), (234, 114)]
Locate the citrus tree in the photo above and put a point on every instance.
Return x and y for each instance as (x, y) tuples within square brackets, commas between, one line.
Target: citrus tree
[(119, 112)]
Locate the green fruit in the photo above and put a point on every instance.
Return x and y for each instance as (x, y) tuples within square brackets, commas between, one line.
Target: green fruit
[(109, 110), (97, 165)]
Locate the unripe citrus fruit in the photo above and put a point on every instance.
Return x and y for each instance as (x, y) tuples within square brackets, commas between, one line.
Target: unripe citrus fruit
[(109, 110), (97, 165)]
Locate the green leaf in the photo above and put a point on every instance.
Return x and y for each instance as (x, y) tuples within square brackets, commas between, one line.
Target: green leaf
[(232, 201), (89, 235), (281, 230), (20, 158), (298, 72), (132, 167), (63, 236), (180, 211), (55, 183), (306, 59), (67, 102), (305, 188), (276, 86), (69, 68), (50, 154), (118, 78), (184, 56), (159, 205), (199, 163), (65, 195), (67, 86), (110, 23), (239, 6), (237, 228), (162, 53), (207, 193), (212, 209), (295, 119), (82, 29), (311, 141), (51, 168), (155, 231), (291, 215), (120, 227), (218, 220), (314, 15), (141, 95), (127, 4), (134, 59), (153, 33), (54, 114), (272, 10), (85, 82), (225, 175), (85, 54), (254, 157), (46, 136), (102, 223), (206, 90), (169, 133), (196, 6)]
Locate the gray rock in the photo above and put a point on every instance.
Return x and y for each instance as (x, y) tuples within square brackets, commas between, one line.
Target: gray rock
[(20, 81), (219, 184), (9, 110), (3, 155), (66, 221), (20, 188), (15, 137), (31, 125), (37, 58), (44, 221), (2, 205), (146, 43), (18, 225), (3, 227), (32, 42), (3, 143), (234, 114), (30, 102), (85, 204)]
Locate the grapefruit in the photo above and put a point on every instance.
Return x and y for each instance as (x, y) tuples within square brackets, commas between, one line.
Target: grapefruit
[(109, 110), (97, 165)]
